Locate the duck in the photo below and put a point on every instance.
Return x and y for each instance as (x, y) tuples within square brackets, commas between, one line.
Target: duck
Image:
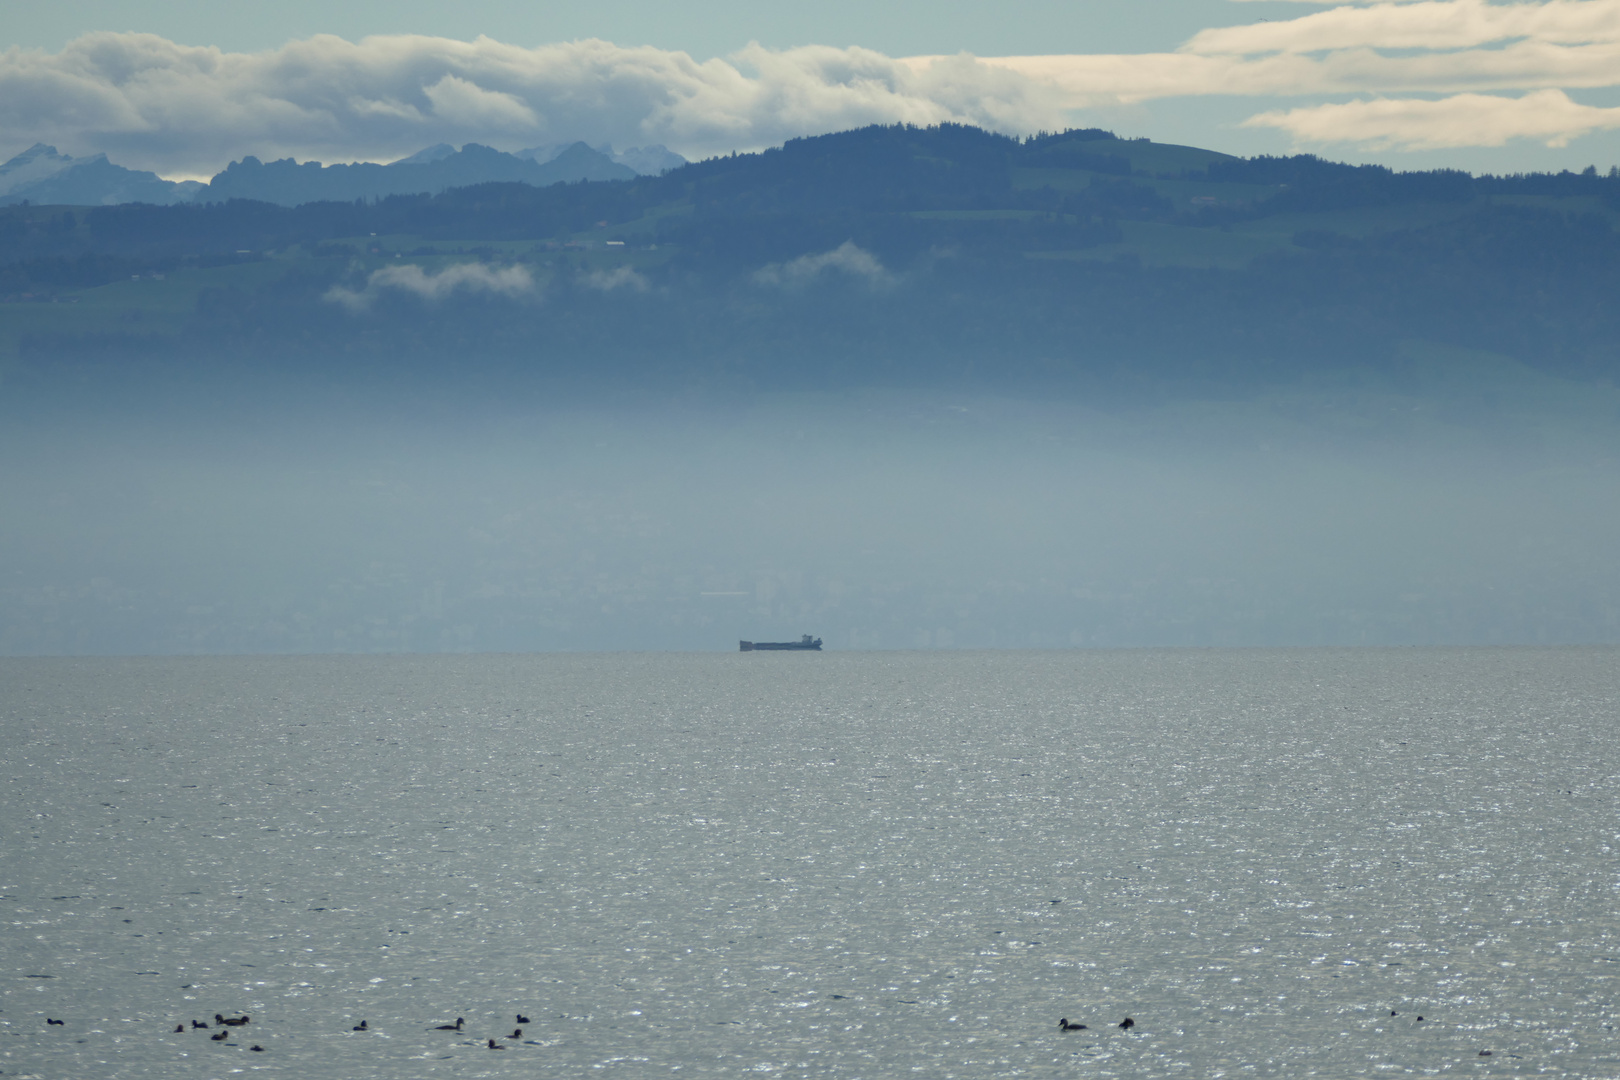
[(361, 1026), (221, 1036), (1064, 1025), (178, 1028), (522, 1019), (198, 1024), (516, 1034), (493, 1046), (1127, 1023), (58, 1023), (231, 1021), (451, 1027), (256, 1048)]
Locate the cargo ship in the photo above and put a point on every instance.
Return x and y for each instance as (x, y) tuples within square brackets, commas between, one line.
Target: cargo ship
[(806, 642)]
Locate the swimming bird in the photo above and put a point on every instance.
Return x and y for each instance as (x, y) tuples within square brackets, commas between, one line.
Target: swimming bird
[(361, 1026), (1064, 1025), (522, 1019), (58, 1023), (231, 1021), (517, 1034), (222, 1035), (1420, 1019), (451, 1027), (257, 1047), (178, 1028), (492, 1045), (1127, 1023), (199, 1024)]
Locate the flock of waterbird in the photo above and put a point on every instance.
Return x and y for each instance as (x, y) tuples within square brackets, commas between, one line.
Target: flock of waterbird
[(226, 1022), (1064, 1025), (517, 1033), (1127, 1023), (222, 1034)]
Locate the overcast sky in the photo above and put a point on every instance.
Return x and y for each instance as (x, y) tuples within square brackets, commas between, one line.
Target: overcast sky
[(183, 86)]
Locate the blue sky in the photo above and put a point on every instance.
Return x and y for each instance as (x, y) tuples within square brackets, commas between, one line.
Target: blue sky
[(185, 86)]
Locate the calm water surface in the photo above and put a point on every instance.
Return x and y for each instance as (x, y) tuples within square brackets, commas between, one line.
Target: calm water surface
[(843, 865)]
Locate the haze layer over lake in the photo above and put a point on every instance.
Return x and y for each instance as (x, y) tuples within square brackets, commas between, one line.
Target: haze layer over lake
[(854, 865), (211, 509)]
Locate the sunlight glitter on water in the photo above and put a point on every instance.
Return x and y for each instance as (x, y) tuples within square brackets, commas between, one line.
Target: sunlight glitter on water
[(853, 865)]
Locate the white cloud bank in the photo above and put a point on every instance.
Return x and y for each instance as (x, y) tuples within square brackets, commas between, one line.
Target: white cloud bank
[(1442, 46), (1459, 51), (1433, 24), (509, 281), (1463, 120), (184, 110), (847, 258), (152, 103), (620, 277)]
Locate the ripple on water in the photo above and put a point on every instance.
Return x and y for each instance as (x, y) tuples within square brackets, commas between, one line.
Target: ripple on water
[(844, 864)]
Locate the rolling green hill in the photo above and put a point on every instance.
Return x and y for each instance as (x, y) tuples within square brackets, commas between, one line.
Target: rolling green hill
[(886, 253)]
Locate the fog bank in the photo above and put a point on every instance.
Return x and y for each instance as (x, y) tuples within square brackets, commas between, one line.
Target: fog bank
[(234, 515)]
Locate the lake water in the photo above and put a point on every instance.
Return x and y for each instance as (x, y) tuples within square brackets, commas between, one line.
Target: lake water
[(844, 865)]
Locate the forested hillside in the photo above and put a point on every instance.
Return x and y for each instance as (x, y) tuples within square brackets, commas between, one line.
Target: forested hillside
[(887, 254)]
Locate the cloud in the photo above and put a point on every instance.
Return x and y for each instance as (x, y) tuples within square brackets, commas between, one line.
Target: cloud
[(1441, 46), (1436, 24), (1463, 120), (622, 277), (1462, 48), (469, 105), (184, 110), (510, 281), (846, 258), (152, 103)]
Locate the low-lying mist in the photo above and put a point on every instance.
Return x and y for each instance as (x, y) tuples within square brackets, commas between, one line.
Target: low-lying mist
[(180, 513)]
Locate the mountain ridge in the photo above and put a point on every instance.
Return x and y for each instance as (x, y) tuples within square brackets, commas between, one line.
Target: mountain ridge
[(41, 175), (291, 183)]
